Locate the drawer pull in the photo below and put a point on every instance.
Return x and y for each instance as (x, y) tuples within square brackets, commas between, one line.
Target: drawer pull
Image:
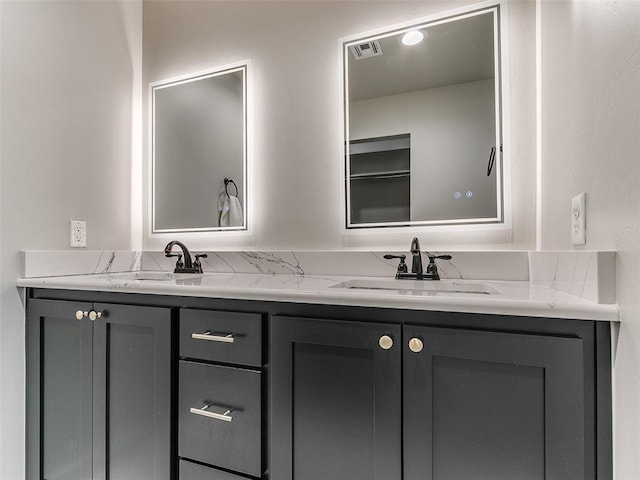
[(218, 416), (228, 338)]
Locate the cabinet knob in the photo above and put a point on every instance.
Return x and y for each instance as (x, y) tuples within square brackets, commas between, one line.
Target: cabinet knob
[(416, 345), (93, 315), (385, 342), (80, 314)]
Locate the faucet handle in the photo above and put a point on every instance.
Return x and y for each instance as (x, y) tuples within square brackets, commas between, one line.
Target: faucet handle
[(197, 265), (432, 268), (433, 258), (402, 267), (179, 263)]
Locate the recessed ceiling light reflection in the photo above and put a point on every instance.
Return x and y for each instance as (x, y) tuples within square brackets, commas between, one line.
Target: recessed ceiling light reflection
[(412, 38)]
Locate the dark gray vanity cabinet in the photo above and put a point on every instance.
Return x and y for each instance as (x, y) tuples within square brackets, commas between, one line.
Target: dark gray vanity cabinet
[(98, 391), (186, 388), (414, 402)]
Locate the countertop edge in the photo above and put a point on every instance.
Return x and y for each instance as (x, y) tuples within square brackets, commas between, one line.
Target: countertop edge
[(551, 304)]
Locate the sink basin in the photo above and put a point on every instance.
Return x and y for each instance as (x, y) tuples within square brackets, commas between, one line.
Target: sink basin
[(155, 276), (427, 287)]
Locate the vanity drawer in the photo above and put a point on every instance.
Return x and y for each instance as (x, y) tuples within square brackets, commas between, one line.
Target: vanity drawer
[(228, 432), (194, 471), (229, 337)]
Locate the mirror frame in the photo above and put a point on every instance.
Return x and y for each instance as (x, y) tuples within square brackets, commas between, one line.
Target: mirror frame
[(499, 23), (187, 78)]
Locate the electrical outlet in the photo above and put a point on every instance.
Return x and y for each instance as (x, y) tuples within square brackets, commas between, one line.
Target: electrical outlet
[(78, 233), (578, 219)]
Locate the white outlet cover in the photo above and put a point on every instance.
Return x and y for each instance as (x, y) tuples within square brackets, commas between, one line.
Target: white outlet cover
[(578, 219), (78, 234)]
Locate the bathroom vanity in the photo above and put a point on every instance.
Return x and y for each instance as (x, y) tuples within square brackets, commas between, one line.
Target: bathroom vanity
[(273, 376)]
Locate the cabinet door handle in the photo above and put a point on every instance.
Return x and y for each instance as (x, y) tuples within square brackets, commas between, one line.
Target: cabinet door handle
[(385, 342), (228, 338), (80, 314), (93, 315), (225, 417), (416, 345)]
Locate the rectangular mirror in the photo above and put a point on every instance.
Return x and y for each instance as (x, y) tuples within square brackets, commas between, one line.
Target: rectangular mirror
[(423, 123), (199, 152)]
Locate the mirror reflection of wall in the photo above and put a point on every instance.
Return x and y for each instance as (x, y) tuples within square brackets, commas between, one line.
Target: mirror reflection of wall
[(442, 94), (199, 139)]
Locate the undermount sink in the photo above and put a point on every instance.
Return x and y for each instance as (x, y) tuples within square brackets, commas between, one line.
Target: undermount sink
[(156, 276), (442, 287)]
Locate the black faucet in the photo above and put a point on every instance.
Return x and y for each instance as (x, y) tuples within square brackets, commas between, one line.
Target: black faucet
[(431, 272), (188, 266)]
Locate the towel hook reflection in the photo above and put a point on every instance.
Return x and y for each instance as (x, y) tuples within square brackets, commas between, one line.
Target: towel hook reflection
[(227, 181)]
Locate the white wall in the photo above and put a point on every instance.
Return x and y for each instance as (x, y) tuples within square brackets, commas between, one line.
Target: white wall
[(67, 89), (591, 143), (296, 77), (452, 131)]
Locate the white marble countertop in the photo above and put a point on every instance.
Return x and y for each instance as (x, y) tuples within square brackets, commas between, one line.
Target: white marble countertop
[(508, 298)]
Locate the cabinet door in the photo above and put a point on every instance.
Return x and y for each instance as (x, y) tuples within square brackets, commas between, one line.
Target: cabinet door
[(59, 408), (335, 400), (132, 393), (492, 406)]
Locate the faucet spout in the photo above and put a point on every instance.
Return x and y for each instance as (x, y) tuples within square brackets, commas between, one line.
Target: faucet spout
[(416, 265), (185, 253)]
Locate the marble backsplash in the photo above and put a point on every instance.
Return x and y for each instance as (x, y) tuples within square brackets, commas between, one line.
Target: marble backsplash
[(468, 265), (587, 274), (51, 263)]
